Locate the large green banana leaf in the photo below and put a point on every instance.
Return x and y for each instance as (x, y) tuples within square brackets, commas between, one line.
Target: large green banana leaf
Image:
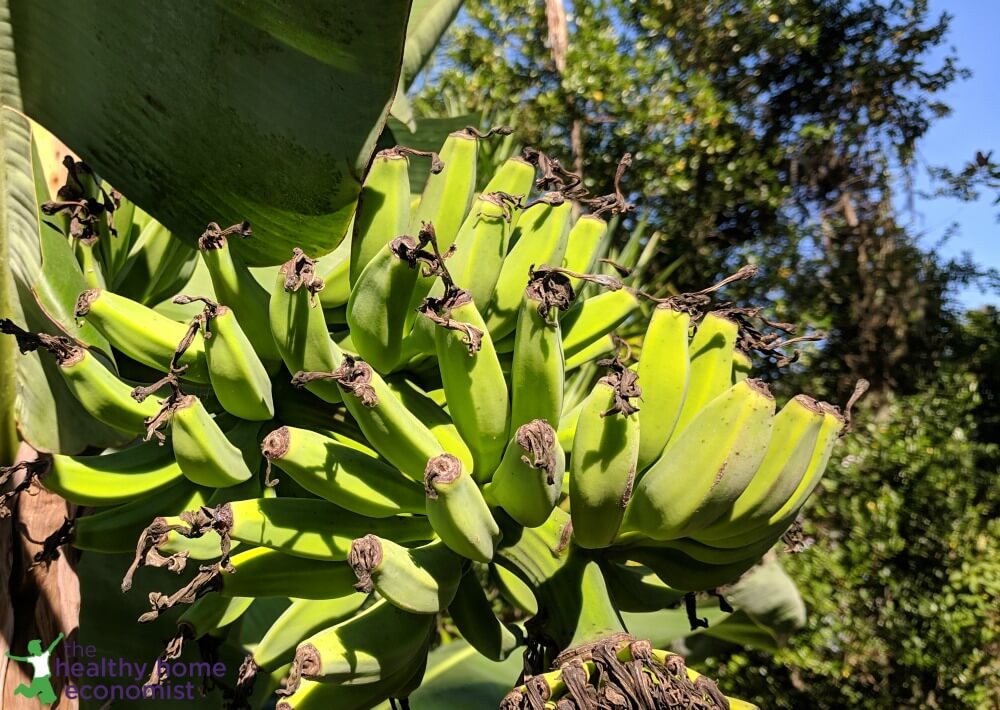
[(429, 20), (221, 110)]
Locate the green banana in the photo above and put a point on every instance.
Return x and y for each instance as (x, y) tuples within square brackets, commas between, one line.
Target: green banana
[(635, 588), (111, 479), (705, 468), (473, 379), (448, 193), (301, 527), (389, 427), (114, 529), (684, 573), (794, 437), (211, 613), (239, 380), (481, 245), (514, 590), (603, 459), (301, 619), (236, 286), (87, 254), (589, 353), (375, 644), (298, 326), (539, 238), (102, 394), (457, 510), (421, 580), (538, 369), (590, 320), (515, 177), (383, 211), (377, 309), (158, 265), (755, 526), (529, 480), (434, 417), (335, 270), (711, 369), (263, 572), (143, 334), (342, 474), (742, 366), (663, 370), (202, 450), (473, 615), (582, 245), (444, 204)]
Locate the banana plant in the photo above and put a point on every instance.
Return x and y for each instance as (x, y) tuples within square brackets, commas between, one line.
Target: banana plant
[(373, 425)]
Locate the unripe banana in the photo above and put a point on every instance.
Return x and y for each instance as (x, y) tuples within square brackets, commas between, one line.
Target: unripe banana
[(481, 245), (394, 431), (375, 644), (211, 613), (457, 510), (236, 286), (473, 380), (383, 209), (684, 573), (794, 437), (434, 417), (119, 477), (663, 370), (112, 530), (208, 545), (377, 309), (538, 368), (602, 465), (335, 270), (421, 580), (300, 620), (635, 588), (582, 245), (202, 450), (707, 466), (742, 366), (302, 527), (102, 394), (589, 353), (515, 177), (773, 526), (263, 572), (529, 480), (590, 320), (239, 380), (514, 590), (711, 373), (539, 238), (158, 266), (142, 333), (444, 204), (342, 474), (473, 615), (87, 254), (298, 326)]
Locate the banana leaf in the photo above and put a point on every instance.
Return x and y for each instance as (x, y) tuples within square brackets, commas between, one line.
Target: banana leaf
[(216, 111)]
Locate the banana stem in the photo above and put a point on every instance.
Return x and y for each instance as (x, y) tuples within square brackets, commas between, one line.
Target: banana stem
[(575, 606)]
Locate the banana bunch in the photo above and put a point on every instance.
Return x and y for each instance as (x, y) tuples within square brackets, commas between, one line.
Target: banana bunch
[(436, 413)]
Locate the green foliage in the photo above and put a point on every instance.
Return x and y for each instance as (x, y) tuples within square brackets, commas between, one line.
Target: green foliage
[(903, 579), (221, 111)]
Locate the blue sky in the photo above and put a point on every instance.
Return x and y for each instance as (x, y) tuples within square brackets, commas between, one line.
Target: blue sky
[(953, 141)]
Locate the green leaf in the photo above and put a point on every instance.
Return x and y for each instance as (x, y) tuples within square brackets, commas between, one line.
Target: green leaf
[(429, 135), (219, 111), (429, 20), (46, 414)]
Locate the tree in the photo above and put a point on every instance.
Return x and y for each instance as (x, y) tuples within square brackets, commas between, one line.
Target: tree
[(763, 130)]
